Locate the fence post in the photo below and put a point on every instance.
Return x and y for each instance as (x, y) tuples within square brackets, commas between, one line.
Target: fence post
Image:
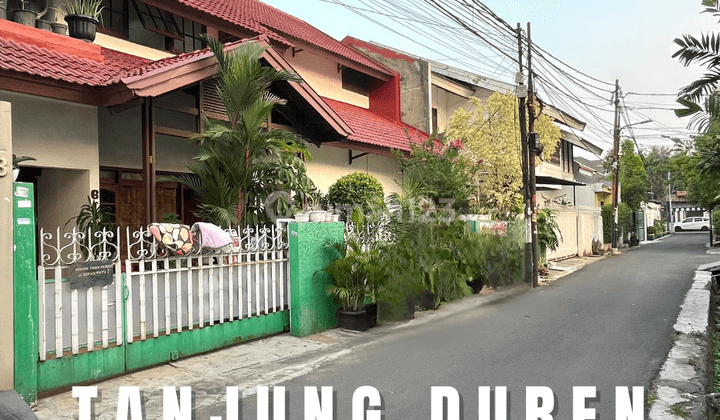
[(25, 293), (311, 309)]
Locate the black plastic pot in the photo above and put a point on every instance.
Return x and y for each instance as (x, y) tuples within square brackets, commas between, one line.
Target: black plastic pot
[(59, 28), (24, 17), (353, 320), (427, 300), (476, 284), (43, 24), (82, 27), (371, 310)]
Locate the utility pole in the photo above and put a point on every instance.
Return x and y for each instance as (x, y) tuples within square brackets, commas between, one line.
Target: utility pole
[(532, 146), (616, 168), (670, 222), (527, 195)]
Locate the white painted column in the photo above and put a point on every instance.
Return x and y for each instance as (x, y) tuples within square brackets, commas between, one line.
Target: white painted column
[(6, 250)]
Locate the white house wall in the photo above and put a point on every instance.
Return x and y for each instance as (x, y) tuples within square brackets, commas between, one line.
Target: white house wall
[(330, 163), (63, 137)]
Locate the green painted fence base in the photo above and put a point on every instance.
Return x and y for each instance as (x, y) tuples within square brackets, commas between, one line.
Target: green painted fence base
[(101, 364), (91, 366), (25, 293), (311, 309), (157, 350)]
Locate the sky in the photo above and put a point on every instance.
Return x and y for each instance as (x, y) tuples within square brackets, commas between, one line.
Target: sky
[(627, 40)]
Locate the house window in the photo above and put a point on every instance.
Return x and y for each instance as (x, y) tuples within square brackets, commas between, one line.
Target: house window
[(115, 18), (434, 120), (567, 156), (151, 26), (354, 81)]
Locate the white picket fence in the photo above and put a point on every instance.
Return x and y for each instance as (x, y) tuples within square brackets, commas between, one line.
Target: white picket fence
[(164, 293)]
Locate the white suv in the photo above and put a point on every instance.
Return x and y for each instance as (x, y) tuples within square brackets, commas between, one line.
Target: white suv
[(693, 223)]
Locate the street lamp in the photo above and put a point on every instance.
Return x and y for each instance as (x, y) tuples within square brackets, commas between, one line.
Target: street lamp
[(616, 170)]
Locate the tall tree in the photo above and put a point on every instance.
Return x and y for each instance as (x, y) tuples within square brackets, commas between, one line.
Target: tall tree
[(657, 166), (241, 162), (633, 177), (491, 131)]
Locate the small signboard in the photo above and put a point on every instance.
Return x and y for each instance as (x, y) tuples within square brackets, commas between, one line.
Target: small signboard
[(84, 275)]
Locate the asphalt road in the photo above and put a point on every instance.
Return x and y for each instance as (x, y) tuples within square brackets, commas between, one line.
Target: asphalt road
[(607, 325)]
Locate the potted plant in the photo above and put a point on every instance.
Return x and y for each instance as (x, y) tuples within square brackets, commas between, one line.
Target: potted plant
[(317, 214), (16, 161), (349, 273), (300, 215), (57, 23), (83, 18), (24, 13), (92, 220), (3, 13)]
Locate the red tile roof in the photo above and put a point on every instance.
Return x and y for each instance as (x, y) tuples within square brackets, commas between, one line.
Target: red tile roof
[(274, 23), (371, 128), (27, 58)]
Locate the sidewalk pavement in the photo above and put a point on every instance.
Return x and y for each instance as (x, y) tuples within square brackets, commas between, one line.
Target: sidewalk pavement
[(267, 361)]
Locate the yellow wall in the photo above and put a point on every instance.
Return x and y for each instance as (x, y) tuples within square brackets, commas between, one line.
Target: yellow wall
[(128, 47), (606, 198), (330, 163), (323, 76), (59, 135)]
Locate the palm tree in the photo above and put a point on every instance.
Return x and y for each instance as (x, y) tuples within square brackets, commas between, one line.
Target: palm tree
[(704, 51), (241, 162)]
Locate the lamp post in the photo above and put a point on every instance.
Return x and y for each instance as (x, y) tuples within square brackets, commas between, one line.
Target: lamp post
[(616, 171)]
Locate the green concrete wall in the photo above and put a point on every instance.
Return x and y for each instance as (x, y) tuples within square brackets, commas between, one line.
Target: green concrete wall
[(165, 348), (71, 370), (25, 292), (311, 309)]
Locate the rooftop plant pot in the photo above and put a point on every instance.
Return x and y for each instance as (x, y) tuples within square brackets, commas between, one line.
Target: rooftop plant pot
[(3, 14), (59, 28), (43, 24), (40, 7), (82, 27), (302, 217), (24, 17), (353, 320)]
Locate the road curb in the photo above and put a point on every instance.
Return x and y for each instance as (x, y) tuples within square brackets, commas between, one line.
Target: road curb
[(681, 385)]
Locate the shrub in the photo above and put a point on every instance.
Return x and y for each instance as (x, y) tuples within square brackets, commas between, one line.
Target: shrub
[(356, 188), (607, 223), (651, 230), (659, 226)]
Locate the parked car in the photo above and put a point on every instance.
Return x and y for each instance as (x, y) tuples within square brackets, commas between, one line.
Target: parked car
[(693, 223)]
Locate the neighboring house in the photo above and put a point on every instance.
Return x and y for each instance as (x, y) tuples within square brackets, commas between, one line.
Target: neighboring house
[(110, 118), (680, 207), (432, 91), (593, 174)]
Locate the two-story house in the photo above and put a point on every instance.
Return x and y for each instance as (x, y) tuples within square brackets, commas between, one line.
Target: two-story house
[(432, 91), (108, 119)]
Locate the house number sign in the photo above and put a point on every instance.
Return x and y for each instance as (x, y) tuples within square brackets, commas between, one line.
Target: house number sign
[(84, 275)]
